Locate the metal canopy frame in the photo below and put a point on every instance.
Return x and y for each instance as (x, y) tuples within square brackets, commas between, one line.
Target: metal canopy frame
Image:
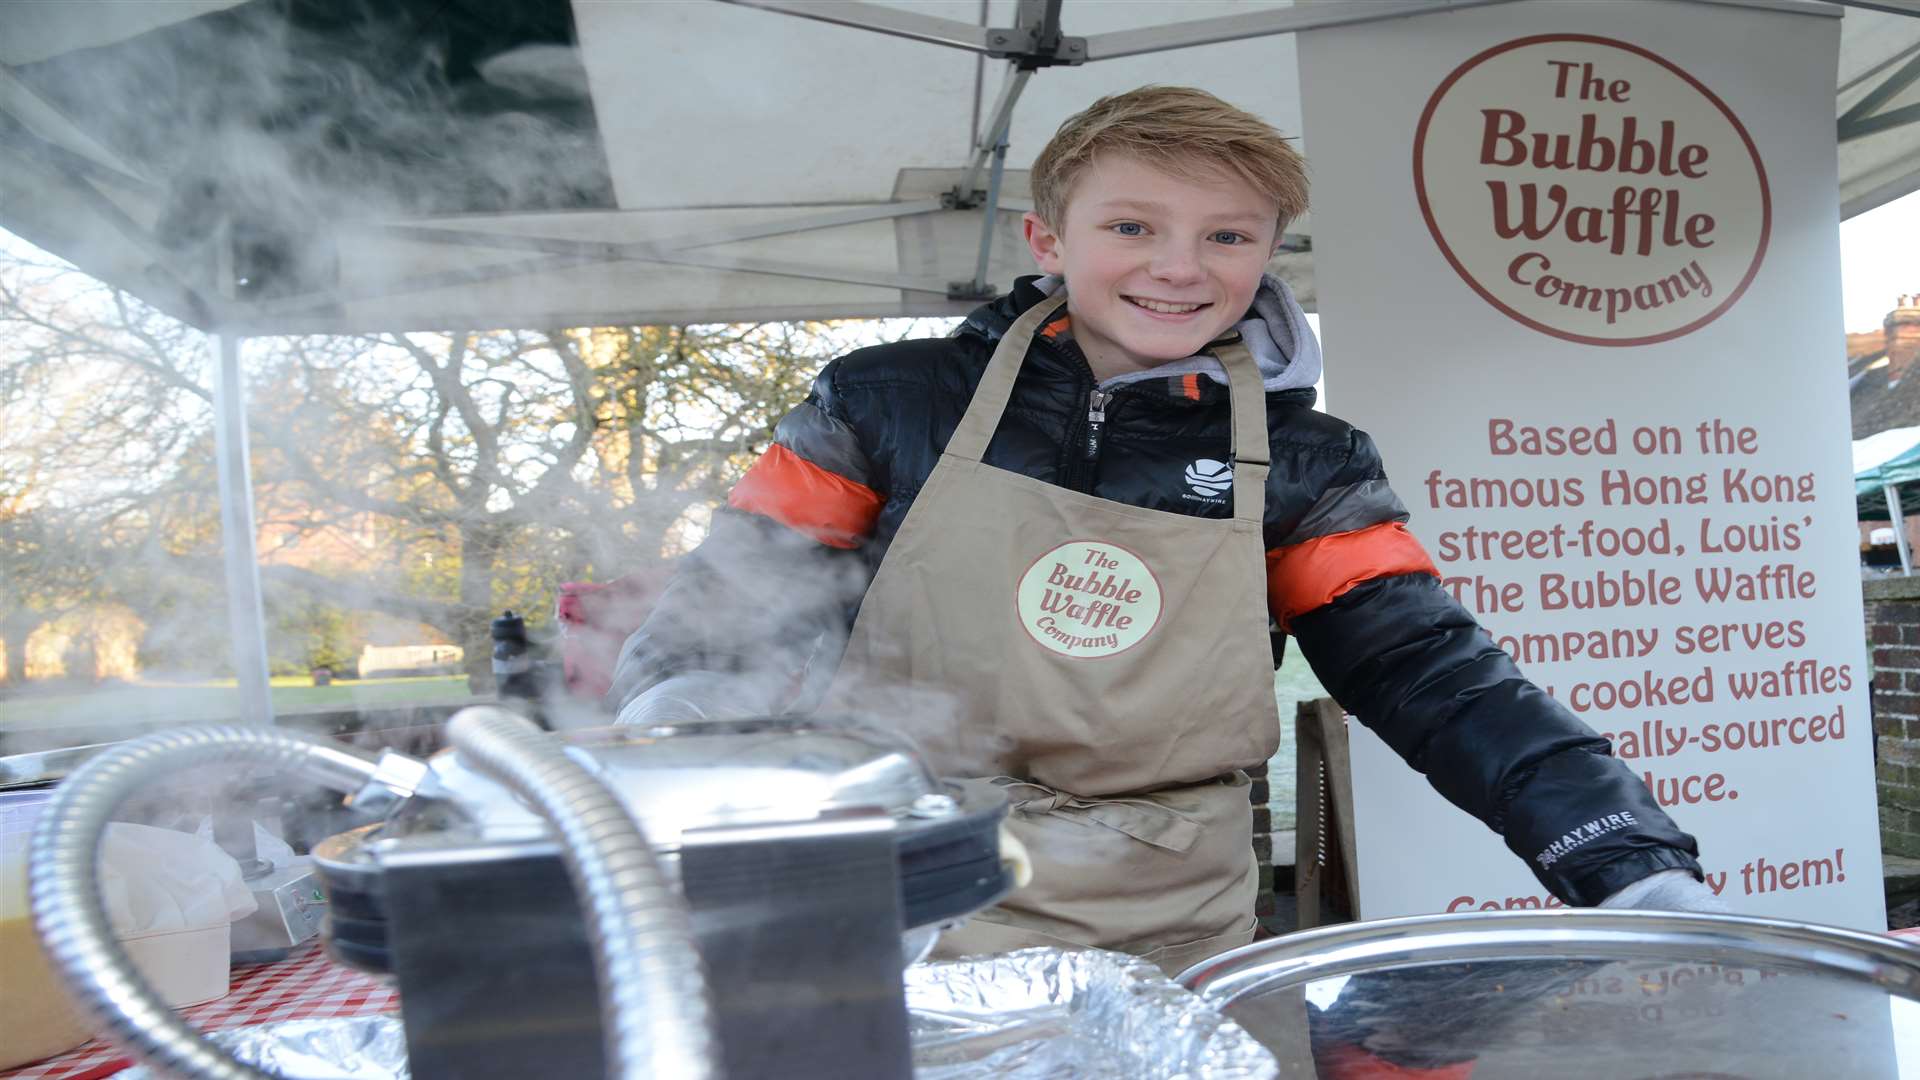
[(1866, 116), (1036, 40), (1892, 494), (672, 251)]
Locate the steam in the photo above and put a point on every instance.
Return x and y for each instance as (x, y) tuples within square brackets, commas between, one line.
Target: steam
[(755, 622), (273, 123)]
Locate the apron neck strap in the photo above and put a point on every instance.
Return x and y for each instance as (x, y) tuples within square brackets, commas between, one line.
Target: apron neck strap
[(976, 428), (1248, 401), (1252, 453)]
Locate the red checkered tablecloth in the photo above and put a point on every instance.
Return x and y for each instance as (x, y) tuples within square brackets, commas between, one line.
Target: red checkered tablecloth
[(306, 985)]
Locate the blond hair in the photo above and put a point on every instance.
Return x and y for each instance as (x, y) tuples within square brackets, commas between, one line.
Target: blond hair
[(1178, 129)]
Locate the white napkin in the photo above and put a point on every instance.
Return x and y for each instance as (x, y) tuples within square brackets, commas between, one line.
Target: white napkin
[(158, 880)]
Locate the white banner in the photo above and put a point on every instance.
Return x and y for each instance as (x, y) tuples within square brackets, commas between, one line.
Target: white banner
[(1579, 277)]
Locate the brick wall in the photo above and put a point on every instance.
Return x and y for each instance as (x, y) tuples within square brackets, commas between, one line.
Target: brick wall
[(1264, 906), (1893, 633)]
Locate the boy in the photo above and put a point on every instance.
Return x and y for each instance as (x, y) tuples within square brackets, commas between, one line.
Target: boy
[(1077, 516)]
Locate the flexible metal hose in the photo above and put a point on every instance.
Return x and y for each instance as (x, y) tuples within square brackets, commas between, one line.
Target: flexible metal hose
[(65, 888), (653, 995)]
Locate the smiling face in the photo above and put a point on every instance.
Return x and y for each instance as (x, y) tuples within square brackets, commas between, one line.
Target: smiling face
[(1157, 265)]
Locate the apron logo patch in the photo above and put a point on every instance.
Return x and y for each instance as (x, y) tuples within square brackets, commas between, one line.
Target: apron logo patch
[(1087, 599)]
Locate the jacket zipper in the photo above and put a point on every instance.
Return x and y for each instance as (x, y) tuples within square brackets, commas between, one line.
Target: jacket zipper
[(1096, 420), (1079, 475)]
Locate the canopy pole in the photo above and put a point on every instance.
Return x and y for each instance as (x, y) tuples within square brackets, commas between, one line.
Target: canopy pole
[(1899, 528), (990, 218), (994, 138), (246, 619)]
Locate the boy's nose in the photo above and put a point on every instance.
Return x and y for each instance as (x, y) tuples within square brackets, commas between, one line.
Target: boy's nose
[(1175, 264)]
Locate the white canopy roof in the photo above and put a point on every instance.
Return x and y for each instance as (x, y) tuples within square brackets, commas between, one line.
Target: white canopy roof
[(1883, 446), (254, 167)]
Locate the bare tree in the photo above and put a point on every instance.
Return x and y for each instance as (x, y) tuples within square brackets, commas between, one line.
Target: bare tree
[(45, 573), (438, 477), (96, 395)]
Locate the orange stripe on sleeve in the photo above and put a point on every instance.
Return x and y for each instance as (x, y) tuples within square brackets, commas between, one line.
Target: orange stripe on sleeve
[(1310, 574), (1057, 327), (1345, 1061), (808, 499)]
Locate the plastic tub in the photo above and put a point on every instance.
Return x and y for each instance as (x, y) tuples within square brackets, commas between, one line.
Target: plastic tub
[(36, 1019), (185, 966)]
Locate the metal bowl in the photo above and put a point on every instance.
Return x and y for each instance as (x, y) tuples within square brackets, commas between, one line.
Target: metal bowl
[(1609, 995)]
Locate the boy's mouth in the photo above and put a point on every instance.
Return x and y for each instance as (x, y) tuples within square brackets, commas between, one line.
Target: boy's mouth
[(1163, 307)]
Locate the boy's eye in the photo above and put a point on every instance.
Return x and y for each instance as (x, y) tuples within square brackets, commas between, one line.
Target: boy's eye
[(1229, 238), (1130, 228)]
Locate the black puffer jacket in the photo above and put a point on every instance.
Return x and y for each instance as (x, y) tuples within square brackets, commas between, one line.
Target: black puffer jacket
[(786, 564)]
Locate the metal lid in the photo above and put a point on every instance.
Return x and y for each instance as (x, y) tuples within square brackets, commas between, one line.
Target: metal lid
[(718, 772), (1627, 995), (689, 785)]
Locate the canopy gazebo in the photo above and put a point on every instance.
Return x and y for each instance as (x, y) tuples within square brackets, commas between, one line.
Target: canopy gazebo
[(299, 166)]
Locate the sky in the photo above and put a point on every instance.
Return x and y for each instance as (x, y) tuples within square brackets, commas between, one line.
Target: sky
[(1879, 261)]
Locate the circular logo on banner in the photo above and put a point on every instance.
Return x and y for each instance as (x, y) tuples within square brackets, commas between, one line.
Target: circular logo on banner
[(1088, 599), (1591, 189)]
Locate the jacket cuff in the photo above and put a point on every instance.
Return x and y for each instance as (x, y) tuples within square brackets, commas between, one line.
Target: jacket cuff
[(1617, 874)]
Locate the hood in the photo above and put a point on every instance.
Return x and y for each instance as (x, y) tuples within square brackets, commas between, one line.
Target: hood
[(1275, 331)]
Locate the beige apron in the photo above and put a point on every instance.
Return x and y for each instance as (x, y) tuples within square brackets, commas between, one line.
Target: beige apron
[(1109, 666)]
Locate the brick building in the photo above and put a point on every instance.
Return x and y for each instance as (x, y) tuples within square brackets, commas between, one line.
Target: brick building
[(1884, 386), (1884, 389)]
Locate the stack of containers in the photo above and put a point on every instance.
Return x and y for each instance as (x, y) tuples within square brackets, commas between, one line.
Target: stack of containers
[(170, 897), (36, 1019)]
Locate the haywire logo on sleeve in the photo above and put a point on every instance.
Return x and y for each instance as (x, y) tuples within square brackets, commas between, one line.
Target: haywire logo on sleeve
[(1210, 480), (1591, 189), (1088, 599)]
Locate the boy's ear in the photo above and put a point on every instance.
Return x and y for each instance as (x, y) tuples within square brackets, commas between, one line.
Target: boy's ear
[(1044, 243)]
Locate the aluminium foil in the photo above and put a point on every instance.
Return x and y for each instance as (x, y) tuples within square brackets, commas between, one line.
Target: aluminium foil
[(337, 1048), (1070, 1015), (1027, 1015)]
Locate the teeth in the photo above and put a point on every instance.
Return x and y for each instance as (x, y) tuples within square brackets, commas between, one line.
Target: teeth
[(1164, 308)]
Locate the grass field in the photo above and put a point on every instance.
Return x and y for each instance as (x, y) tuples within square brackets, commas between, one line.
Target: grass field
[(215, 700)]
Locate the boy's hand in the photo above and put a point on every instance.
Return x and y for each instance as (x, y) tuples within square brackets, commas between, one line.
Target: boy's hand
[(1668, 890)]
